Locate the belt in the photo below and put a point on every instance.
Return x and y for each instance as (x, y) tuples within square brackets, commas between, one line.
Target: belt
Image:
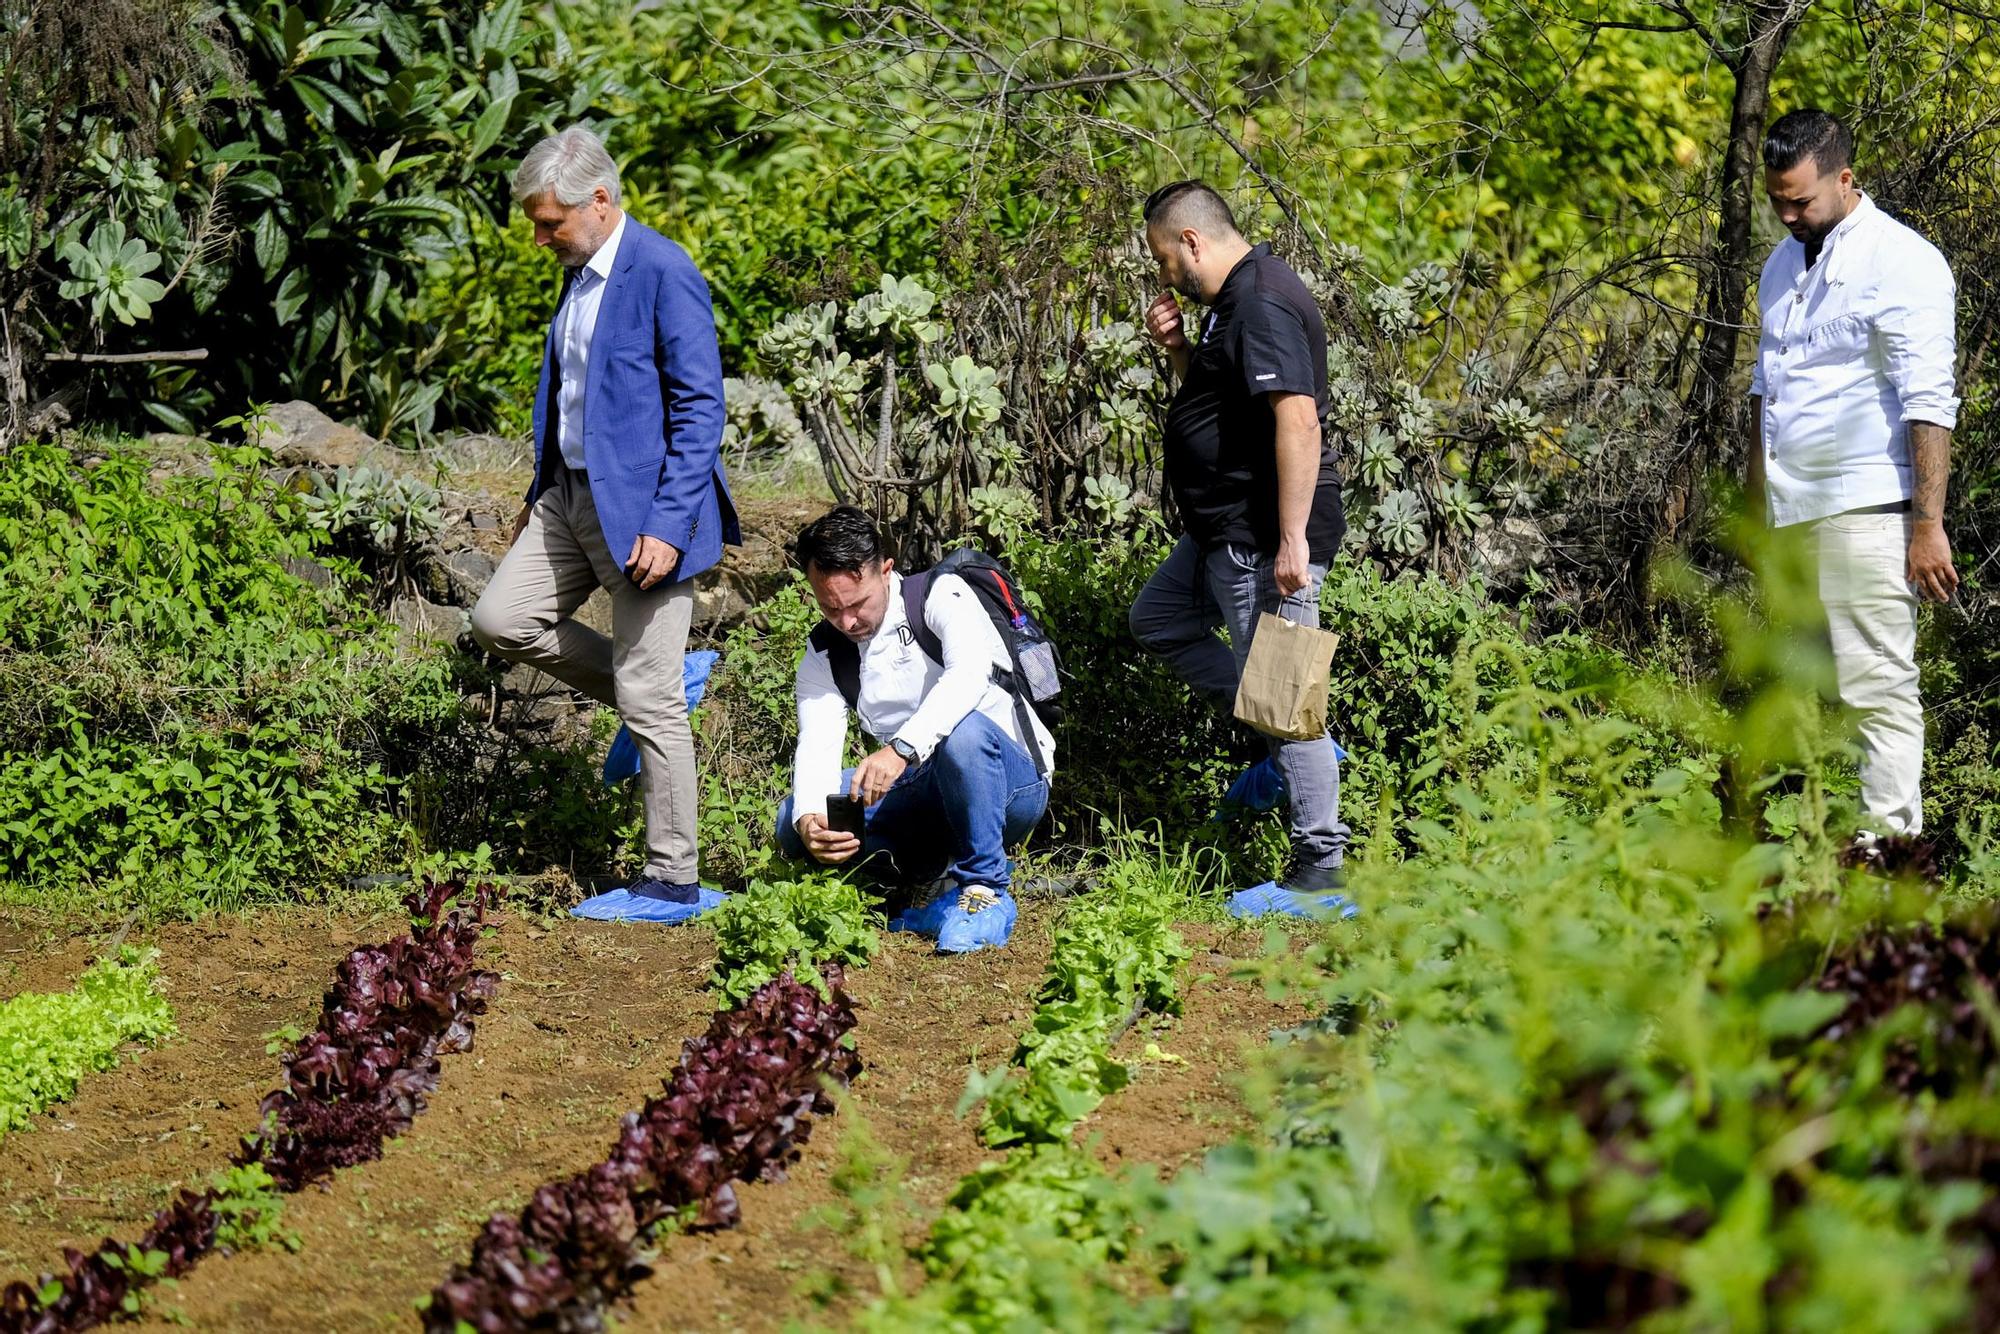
[(1888, 507)]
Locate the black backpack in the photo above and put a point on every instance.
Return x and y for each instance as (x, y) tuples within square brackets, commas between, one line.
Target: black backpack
[(1033, 680)]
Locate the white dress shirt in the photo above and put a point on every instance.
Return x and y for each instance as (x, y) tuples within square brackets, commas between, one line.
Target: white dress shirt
[(576, 324), (904, 695), (1853, 349)]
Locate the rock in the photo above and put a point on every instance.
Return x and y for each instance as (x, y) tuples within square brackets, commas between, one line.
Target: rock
[(483, 522), (719, 604), (424, 619), (455, 578), (309, 570), (299, 433), (1504, 551)]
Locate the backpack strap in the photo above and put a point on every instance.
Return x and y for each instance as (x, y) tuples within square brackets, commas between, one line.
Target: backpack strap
[(916, 589), (843, 657)]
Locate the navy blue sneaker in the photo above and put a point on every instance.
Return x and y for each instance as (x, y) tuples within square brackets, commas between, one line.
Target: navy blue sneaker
[(648, 899)]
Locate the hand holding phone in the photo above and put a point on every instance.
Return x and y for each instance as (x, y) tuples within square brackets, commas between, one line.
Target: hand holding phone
[(845, 814)]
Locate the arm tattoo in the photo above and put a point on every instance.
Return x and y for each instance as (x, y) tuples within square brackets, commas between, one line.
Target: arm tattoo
[(1930, 458)]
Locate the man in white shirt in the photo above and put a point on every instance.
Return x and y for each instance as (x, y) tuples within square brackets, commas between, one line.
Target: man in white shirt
[(1854, 406), (963, 769)]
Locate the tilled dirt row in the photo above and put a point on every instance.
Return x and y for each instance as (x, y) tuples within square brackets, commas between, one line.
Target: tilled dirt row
[(588, 1021)]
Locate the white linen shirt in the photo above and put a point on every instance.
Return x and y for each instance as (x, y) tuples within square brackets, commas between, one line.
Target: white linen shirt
[(576, 325), (1853, 349), (904, 695)]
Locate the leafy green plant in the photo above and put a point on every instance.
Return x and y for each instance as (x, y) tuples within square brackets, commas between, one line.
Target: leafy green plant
[(249, 1210), (112, 271), (191, 716), (50, 1041), (1116, 957), (795, 926)]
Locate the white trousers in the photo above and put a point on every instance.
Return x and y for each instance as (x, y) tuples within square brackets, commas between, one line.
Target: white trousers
[(1871, 612)]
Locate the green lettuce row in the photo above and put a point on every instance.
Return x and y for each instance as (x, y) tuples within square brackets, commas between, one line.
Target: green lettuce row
[(50, 1040), (1116, 956)]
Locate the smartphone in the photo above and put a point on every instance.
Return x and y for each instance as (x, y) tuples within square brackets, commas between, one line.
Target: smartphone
[(846, 814)]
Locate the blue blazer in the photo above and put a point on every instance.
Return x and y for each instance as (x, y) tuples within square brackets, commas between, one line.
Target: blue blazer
[(652, 421)]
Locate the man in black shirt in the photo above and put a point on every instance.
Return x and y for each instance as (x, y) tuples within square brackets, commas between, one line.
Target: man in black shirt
[(1258, 490)]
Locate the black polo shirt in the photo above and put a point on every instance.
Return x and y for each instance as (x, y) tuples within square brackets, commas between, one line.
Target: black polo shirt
[(1263, 335)]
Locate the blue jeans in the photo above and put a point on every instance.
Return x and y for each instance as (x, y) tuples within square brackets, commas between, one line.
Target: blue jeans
[(1191, 595), (953, 815)]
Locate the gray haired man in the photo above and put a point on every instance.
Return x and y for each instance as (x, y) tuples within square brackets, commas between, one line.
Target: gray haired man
[(628, 494)]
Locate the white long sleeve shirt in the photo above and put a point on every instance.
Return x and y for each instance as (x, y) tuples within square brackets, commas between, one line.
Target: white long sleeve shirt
[(1852, 351), (904, 695), (576, 325)]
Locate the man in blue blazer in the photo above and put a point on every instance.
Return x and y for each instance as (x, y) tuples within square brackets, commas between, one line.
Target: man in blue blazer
[(628, 494)]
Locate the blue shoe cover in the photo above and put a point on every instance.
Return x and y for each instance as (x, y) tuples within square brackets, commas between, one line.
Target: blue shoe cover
[(622, 760), (1258, 788), (963, 932), (1261, 787), (926, 921), (1267, 899), (622, 905), (955, 930)]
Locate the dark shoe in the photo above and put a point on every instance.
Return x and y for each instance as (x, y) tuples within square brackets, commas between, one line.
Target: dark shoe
[(1313, 879)]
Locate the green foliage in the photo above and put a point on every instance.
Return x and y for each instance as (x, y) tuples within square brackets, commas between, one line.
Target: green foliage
[(189, 717), (1116, 957), (1006, 1252), (349, 141), (250, 1210), (49, 1041), (796, 925), (388, 511), (111, 272)]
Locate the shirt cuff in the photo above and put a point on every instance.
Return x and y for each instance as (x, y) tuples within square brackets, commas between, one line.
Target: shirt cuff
[(1938, 411)]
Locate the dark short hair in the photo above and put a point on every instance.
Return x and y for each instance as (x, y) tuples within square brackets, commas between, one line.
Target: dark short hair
[(840, 541), (1190, 204), (1808, 133)]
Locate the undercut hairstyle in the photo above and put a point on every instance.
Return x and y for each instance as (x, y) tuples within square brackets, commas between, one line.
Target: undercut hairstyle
[(1190, 204), (1808, 133), (569, 164), (844, 540)]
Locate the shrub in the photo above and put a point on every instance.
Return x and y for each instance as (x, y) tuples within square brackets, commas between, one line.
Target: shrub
[(185, 712)]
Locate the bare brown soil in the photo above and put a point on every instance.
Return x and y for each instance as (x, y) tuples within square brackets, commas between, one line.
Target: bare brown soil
[(588, 1020)]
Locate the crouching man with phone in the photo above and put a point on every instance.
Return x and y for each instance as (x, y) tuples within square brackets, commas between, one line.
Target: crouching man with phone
[(962, 770)]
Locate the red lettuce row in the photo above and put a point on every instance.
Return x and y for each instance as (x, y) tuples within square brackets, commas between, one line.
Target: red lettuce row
[(105, 1283), (362, 1076), (737, 1109), (354, 1082)]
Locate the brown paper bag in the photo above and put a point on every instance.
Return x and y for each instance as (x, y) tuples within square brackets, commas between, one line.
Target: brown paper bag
[(1285, 679)]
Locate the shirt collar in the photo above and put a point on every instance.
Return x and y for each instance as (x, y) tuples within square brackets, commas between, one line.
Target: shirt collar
[(1864, 212), (893, 618), (1240, 272), (607, 254)]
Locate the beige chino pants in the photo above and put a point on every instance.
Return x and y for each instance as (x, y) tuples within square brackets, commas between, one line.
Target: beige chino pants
[(525, 615)]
